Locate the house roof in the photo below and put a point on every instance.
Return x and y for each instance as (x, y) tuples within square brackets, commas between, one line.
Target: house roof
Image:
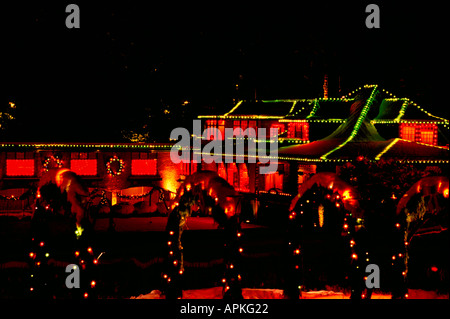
[(357, 136), (387, 108)]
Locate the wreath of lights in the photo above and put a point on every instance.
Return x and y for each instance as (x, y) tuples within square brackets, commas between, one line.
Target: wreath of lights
[(50, 159), (108, 166)]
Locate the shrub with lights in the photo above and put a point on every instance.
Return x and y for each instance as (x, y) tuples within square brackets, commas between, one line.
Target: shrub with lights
[(320, 218), (421, 213), (204, 195), (55, 243)]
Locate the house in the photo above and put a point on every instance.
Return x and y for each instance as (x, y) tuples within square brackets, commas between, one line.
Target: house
[(313, 133)]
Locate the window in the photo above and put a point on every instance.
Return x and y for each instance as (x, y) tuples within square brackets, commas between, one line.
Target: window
[(408, 133), (83, 163), (20, 164), (221, 170), (274, 180), (143, 167), (244, 124), (244, 181), (19, 167), (84, 167), (298, 130), (427, 137), (213, 127), (276, 127), (424, 132)]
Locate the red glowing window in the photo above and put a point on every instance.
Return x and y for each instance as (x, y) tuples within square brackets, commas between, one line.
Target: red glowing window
[(244, 181), (143, 167), (233, 175), (221, 170), (274, 180), (408, 133), (188, 168), (84, 167), (427, 137), (298, 130), (20, 167), (278, 127), (214, 128)]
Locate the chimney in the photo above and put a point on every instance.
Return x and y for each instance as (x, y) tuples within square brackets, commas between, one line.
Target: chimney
[(325, 86)]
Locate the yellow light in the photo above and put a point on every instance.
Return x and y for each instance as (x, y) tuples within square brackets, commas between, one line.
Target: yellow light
[(79, 231), (241, 250), (346, 195)]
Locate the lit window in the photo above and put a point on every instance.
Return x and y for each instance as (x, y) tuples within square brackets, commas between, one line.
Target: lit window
[(298, 130), (426, 136), (279, 127), (221, 170), (20, 167), (213, 127), (408, 133), (143, 167), (84, 167), (244, 181)]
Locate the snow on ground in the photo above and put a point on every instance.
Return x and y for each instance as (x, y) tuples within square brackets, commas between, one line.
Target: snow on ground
[(157, 223), (216, 293)]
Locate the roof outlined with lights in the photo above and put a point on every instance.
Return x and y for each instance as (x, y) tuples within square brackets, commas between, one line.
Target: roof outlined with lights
[(388, 109)]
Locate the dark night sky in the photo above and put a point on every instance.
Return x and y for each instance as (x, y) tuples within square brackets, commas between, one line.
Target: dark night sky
[(87, 84)]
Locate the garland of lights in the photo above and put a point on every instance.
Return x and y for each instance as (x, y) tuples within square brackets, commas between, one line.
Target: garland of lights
[(108, 166), (175, 263), (50, 159)]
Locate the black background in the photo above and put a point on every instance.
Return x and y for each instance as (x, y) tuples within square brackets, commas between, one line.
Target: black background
[(87, 84)]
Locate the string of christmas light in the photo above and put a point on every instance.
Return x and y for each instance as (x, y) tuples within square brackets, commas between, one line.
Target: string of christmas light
[(166, 146), (119, 169), (52, 159), (358, 124)]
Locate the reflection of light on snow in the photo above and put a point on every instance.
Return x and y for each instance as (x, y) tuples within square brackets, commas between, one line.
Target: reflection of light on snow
[(445, 193)]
